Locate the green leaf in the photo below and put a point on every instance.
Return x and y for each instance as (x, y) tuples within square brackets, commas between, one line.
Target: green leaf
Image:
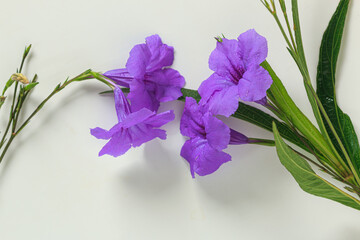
[(329, 52), (278, 94), (307, 179), (7, 85), (256, 117), (30, 86), (189, 93)]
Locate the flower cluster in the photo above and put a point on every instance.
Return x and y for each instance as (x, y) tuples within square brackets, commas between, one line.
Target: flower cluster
[(237, 76), (150, 83)]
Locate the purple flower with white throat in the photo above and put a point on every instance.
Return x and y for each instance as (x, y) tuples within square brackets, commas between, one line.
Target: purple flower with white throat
[(148, 76), (208, 137), (133, 128), (237, 73)]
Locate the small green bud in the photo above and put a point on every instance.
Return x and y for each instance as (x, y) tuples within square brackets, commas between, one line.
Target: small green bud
[(26, 51), (19, 77), (219, 39)]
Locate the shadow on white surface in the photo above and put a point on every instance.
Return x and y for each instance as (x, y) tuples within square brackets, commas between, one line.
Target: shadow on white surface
[(349, 233), (155, 174), (45, 118), (239, 181)]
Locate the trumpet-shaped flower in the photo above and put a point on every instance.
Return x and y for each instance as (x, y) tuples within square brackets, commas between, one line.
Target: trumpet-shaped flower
[(237, 73), (133, 128), (208, 137), (148, 76)]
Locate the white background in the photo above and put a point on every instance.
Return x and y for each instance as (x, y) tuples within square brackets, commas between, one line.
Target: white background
[(53, 185)]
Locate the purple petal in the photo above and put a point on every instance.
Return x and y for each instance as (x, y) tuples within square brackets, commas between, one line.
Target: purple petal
[(162, 55), (140, 97), (237, 138), (253, 47), (132, 132), (160, 119), (217, 133), (203, 159), (118, 145), (254, 84), (137, 117), (220, 94), (142, 133), (138, 61), (210, 160), (100, 133), (188, 150), (105, 134), (167, 84), (120, 76), (122, 105), (225, 61), (191, 123), (213, 84)]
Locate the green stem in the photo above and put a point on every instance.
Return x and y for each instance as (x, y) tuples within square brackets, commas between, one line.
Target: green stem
[(6, 147), (26, 52), (11, 117), (12, 112), (261, 141), (277, 112), (81, 77), (5, 134), (289, 30), (283, 32), (17, 110)]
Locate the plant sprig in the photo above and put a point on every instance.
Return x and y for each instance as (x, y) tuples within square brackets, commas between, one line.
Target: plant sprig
[(19, 97), (337, 158)]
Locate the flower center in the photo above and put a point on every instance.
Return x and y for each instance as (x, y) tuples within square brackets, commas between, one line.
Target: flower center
[(236, 74)]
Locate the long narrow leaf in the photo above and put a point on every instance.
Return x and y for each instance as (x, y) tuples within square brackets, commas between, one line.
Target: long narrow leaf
[(329, 52), (307, 179)]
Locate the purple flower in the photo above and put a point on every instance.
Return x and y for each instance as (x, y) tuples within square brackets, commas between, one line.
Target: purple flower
[(133, 128), (146, 75), (208, 137), (237, 73)]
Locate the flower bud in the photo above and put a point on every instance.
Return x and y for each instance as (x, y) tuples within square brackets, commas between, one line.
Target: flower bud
[(19, 77)]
